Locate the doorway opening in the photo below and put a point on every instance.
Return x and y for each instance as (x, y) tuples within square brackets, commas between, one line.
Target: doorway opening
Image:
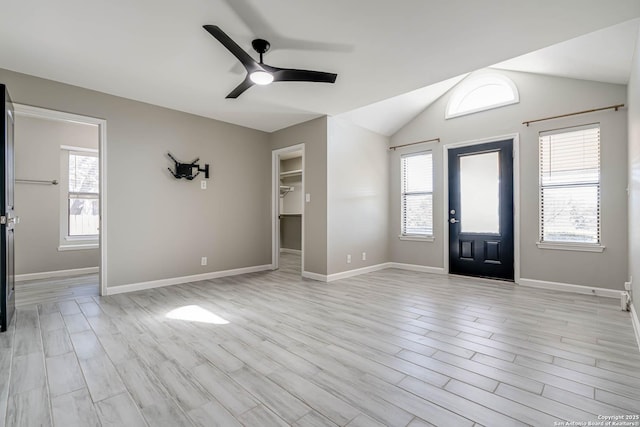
[(288, 209), (60, 192), (481, 209)]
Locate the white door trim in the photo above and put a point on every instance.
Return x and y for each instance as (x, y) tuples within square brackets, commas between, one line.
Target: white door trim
[(275, 203), (43, 113), (516, 195)]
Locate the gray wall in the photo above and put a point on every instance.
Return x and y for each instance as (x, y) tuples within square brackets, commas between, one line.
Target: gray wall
[(291, 232), (540, 96), (633, 91), (159, 227), (346, 174), (314, 135), (358, 196), (38, 153), (291, 164)]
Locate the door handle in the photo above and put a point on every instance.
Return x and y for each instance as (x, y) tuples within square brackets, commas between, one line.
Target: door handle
[(453, 220)]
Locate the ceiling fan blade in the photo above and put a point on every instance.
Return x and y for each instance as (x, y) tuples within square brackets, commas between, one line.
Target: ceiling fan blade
[(292, 75), (239, 90), (249, 63)]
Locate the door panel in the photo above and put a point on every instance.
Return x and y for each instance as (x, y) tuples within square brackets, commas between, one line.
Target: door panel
[(481, 210), (7, 179)]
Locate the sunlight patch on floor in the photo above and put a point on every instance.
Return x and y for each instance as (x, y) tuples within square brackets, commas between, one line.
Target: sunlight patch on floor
[(195, 313)]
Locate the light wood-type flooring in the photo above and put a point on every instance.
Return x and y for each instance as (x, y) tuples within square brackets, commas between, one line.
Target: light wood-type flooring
[(395, 348), (56, 289)]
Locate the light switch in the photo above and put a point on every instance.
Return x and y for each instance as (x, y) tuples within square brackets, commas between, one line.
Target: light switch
[(307, 197)]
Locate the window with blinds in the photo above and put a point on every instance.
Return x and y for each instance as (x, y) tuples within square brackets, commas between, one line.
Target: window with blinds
[(83, 194), (417, 194), (570, 185)]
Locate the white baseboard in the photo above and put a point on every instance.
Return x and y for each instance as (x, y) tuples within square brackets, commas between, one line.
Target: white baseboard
[(636, 323), (567, 287), (415, 267), (344, 274), (56, 273), (291, 251), (357, 272), (314, 276), (113, 290), (370, 269)]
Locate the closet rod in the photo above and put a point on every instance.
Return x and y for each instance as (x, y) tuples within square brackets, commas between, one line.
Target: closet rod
[(37, 181), (614, 107), (414, 143)]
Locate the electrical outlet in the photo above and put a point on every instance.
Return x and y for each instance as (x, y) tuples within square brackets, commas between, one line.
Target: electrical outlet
[(364, 256), (349, 259), (627, 286), (203, 260), (203, 185)]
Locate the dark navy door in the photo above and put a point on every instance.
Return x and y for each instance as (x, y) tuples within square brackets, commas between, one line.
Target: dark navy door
[(480, 216), (7, 218)]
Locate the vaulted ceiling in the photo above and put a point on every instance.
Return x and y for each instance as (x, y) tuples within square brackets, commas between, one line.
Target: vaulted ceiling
[(387, 54)]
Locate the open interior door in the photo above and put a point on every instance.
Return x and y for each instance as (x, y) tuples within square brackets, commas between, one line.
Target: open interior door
[(7, 218)]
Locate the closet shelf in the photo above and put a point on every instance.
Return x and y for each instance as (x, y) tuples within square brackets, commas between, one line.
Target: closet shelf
[(286, 174)]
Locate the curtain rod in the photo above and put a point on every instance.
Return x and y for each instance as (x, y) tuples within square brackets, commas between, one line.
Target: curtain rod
[(414, 143), (37, 181), (615, 107)]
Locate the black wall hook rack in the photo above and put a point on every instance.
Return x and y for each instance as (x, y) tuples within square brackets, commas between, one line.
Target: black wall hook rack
[(185, 170)]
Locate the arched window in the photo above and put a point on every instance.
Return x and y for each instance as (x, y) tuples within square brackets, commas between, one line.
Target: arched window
[(481, 92)]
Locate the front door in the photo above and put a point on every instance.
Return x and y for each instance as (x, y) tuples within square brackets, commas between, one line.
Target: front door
[(7, 219), (481, 210)]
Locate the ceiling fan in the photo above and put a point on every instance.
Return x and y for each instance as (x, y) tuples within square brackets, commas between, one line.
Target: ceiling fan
[(260, 73)]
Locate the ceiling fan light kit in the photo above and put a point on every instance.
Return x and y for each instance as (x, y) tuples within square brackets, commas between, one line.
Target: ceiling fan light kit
[(261, 77), (260, 73)]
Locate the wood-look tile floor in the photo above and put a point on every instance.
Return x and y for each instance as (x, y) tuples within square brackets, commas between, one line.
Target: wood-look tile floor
[(393, 348), (56, 289)]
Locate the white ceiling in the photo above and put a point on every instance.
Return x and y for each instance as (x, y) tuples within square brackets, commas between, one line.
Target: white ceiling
[(386, 117), (604, 56), (156, 51)]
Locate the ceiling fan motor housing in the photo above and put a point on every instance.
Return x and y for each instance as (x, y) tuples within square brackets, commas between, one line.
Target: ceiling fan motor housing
[(261, 46)]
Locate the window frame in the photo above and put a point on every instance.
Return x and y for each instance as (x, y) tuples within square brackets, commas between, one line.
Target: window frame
[(68, 242), (475, 82), (415, 236), (570, 245)]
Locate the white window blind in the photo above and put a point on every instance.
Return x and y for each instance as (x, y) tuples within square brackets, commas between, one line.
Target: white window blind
[(570, 185), (83, 194), (417, 194)]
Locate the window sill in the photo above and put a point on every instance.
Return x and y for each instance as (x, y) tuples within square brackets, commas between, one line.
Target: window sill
[(417, 238), (577, 247), (78, 247)]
